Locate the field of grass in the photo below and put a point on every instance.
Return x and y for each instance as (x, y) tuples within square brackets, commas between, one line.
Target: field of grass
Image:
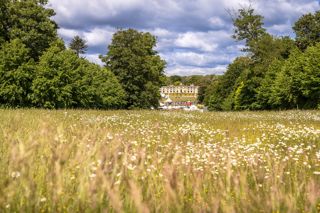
[(157, 161)]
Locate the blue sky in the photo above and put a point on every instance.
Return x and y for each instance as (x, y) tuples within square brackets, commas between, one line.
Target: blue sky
[(194, 36)]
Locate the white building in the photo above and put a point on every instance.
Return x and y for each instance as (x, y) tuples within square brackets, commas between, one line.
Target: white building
[(181, 89), (179, 95)]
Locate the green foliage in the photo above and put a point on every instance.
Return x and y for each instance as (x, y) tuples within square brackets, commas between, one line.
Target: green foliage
[(267, 89), (66, 81), (237, 97), (269, 48), (78, 45), (248, 25), (16, 74), (298, 83), (279, 75), (4, 21), (137, 66), (307, 30), (224, 86), (29, 20)]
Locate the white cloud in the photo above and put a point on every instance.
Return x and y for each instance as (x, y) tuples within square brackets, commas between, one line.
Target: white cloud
[(196, 59), (195, 40), (193, 36), (217, 21), (98, 36), (94, 58), (189, 70), (67, 33)]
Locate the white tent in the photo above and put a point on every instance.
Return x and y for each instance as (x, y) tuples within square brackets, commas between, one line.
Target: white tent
[(168, 100)]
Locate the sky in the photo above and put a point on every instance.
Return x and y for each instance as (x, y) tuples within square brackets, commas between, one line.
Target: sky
[(194, 36)]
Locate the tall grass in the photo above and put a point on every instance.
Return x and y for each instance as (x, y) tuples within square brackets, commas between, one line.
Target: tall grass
[(151, 161)]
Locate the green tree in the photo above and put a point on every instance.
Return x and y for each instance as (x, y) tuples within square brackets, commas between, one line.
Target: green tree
[(307, 30), (137, 66), (266, 50), (310, 77), (287, 92), (52, 87), (173, 79), (265, 97), (4, 21), (78, 45), (31, 22), (97, 88), (248, 26), (64, 80), (298, 83), (16, 74), (223, 87)]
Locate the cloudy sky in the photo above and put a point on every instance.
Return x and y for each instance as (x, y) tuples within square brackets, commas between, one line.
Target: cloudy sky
[(194, 36)]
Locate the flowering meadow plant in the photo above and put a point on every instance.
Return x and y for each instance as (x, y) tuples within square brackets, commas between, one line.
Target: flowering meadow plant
[(159, 161)]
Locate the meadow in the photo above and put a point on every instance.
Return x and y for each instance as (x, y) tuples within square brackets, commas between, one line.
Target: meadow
[(159, 161)]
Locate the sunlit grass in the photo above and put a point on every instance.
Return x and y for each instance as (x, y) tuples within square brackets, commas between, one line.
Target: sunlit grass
[(155, 161)]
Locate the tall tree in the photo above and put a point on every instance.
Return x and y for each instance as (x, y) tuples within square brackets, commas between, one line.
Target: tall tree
[(307, 30), (4, 21), (16, 74), (223, 87), (138, 67), (31, 22), (298, 83), (78, 45), (248, 26), (63, 80)]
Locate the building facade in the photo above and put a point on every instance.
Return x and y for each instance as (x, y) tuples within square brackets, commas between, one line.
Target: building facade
[(179, 95), (181, 89)]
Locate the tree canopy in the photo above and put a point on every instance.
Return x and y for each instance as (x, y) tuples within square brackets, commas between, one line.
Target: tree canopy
[(307, 30), (78, 45), (137, 66), (248, 26), (36, 70), (275, 74)]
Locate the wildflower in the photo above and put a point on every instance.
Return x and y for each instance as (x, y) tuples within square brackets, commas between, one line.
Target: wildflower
[(92, 175), (133, 158), (99, 162), (43, 199), (110, 137), (131, 167), (15, 174)]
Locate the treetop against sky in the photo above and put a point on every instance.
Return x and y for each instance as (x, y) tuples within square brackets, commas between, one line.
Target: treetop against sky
[(194, 37)]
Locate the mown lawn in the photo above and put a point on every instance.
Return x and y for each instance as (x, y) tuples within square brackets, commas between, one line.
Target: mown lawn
[(157, 161)]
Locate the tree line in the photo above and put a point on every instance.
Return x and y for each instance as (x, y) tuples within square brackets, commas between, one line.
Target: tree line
[(276, 73), (38, 70)]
